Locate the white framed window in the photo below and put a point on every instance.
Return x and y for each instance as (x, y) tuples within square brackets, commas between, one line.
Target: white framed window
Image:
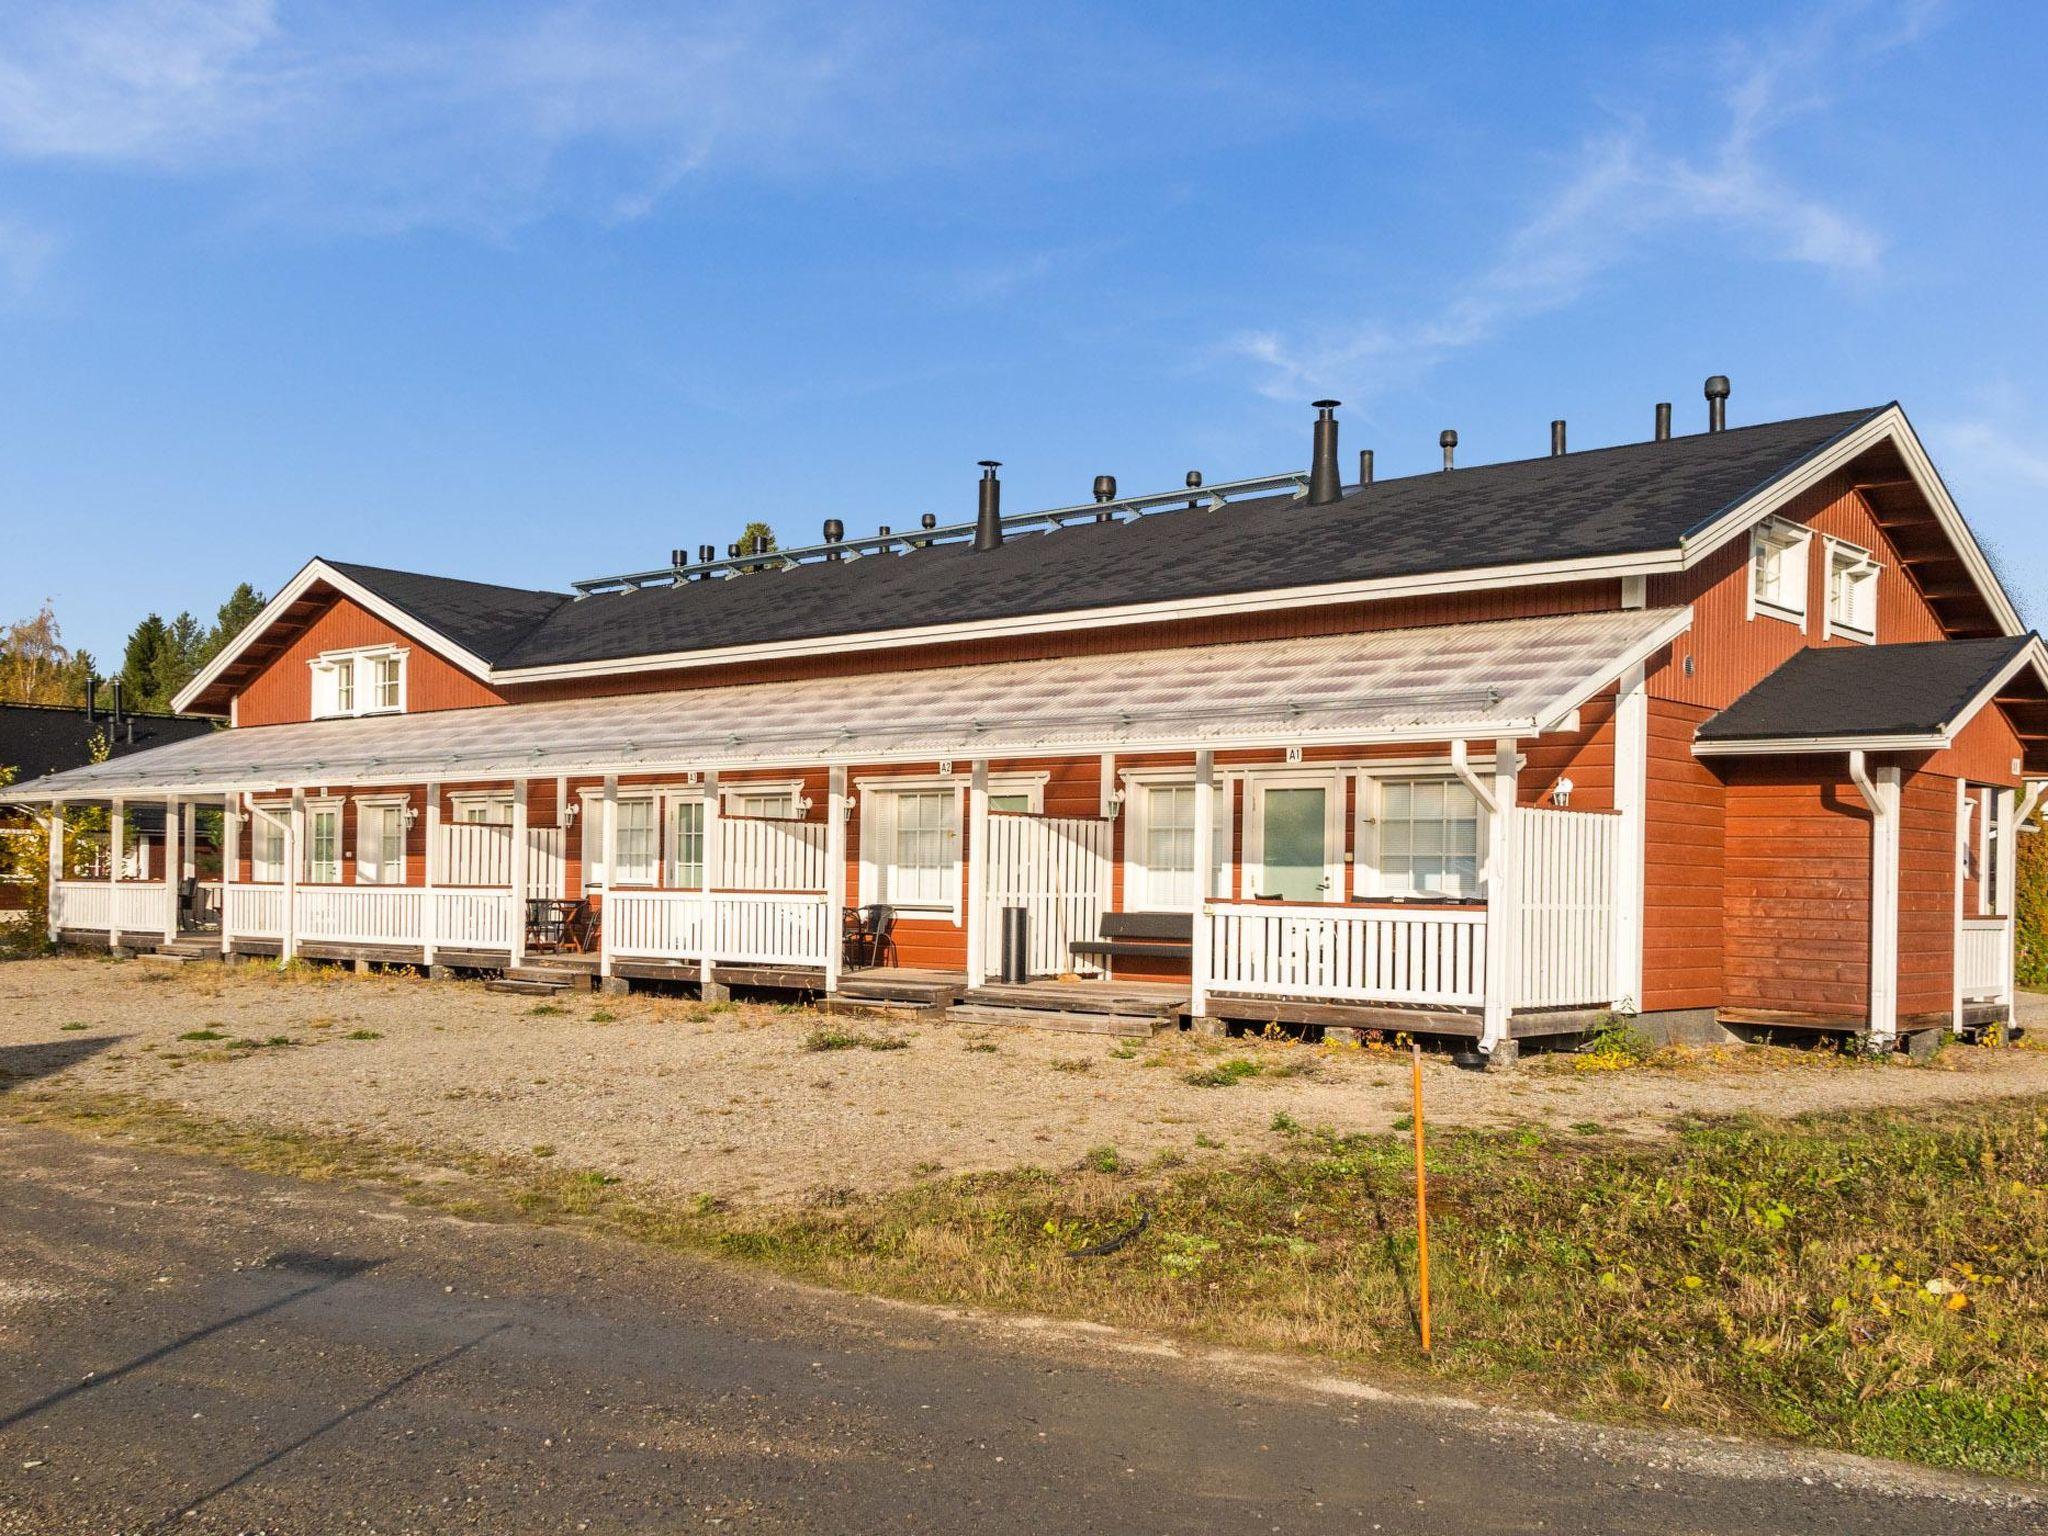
[(636, 841), (1420, 835), (323, 843), (775, 801), (369, 681), (380, 841), (1852, 592), (1159, 842), (266, 848), (685, 843), (1777, 571), (910, 845), (481, 807)]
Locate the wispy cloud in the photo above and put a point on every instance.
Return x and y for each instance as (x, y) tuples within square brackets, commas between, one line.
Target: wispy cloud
[(485, 117), (24, 252), (1625, 189)]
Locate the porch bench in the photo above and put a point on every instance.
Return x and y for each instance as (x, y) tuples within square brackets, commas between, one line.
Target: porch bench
[(1141, 935)]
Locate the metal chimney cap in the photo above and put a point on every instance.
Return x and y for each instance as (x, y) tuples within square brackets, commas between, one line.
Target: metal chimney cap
[(1717, 387), (991, 465), (1105, 487), (835, 530), (1448, 438), (1326, 405), (929, 520), (1194, 479)]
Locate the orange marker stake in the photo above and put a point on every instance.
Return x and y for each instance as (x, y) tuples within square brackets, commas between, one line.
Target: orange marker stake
[(1421, 1201)]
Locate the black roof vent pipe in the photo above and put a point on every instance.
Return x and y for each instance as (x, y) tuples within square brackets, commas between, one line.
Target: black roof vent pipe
[(92, 687), (1717, 403), (1324, 483), (1194, 483), (1663, 421), (1365, 466), (117, 704), (835, 530), (988, 518), (1105, 491), (1448, 441), (1557, 439)]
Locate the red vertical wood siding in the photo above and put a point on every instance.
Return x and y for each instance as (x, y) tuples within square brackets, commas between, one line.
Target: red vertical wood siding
[(1927, 894), (1797, 930), (283, 691)]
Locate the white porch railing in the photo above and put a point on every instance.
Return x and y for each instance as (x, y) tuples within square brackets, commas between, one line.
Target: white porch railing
[(1564, 957), (747, 927), (360, 914), (474, 919), (760, 853), (254, 911), (1353, 954), (1984, 959), (141, 908), (83, 904)]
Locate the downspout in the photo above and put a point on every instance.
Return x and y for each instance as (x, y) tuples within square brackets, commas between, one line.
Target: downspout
[(1880, 795)]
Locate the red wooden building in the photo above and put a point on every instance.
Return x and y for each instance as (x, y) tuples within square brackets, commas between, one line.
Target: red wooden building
[(1730, 728)]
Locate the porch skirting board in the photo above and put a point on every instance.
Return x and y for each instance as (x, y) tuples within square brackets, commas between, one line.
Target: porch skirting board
[(1763, 1019), (1685, 1026)]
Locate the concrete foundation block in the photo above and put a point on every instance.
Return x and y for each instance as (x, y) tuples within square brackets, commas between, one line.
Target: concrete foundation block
[(360, 966), (1213, 1028), (1684, 1026), (1505, 1056), (715, 992), (614, 986), (1337, 1034), (440, 973), (1921, 1044)]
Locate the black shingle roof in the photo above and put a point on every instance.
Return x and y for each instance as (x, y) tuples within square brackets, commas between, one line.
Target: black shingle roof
[(36, 739), (1865, 690), (1637, 498)]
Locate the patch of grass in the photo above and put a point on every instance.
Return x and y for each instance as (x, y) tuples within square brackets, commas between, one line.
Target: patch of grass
[(543, 1150), (852, 1040), (362, 1034), (73, 1025), (603, 1016), (275, 1042), (1614, 1045), (209, 1033), (1073, 1064), (1102, 1160), (546, 1011), (1224, 1074), (984, 1047), (1124, 1053), (1589, 1128)]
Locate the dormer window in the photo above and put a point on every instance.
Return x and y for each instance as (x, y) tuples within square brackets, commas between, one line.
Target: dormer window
[(1852, 592), (365, 682), (1777, 572)]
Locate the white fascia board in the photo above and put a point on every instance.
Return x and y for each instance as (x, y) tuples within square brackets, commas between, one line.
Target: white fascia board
[(313, 571), (1222, 605), (2034, 655), (1786, 745), (1568, 701), (1887, 426), (322, 774)]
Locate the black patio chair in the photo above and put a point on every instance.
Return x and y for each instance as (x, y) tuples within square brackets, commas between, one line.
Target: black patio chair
[(867, 933)]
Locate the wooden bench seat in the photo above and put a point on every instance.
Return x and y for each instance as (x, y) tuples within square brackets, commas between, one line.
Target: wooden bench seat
[(1142, 935)]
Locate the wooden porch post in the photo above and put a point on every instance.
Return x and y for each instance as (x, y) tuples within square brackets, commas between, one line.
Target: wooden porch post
[(1880, 793), (1631, 800), (835, 875), (519, 852), (230, 867), (189, 840), (430, 870), (56, 870), (294, 844), (977, 873), (117, 838), (2008, 893), (1503, 890), (608, 850), (707, 926), (1205, 857), (174, 865)]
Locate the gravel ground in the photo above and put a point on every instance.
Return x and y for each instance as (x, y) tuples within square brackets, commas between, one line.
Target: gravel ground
[(729, 1102)]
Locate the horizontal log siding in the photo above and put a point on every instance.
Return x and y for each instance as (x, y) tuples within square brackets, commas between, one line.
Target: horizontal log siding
[(1797, 932), (1731, 652), (283, 691), (1683, 866), (1927, 894)]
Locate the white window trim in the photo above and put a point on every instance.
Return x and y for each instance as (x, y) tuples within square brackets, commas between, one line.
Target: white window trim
[(1830, 626), (1367, 882), (591, 819), (1987, 811), (878, 826), (258, 828), (328, 663), (1332, 782), (731, 791), (463, 800), (1777, 533), (1136, 819)]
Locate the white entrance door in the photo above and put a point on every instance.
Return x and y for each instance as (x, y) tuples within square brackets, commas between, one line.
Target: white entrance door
[(1295, 838)]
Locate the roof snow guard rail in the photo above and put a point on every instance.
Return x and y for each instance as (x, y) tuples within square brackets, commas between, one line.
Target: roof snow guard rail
[(1185, 498)]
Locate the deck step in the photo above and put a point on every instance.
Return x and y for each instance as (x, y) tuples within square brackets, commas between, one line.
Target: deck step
[(1125, 1026), (1084, 998), (521, 988), (880, 989), (878, 1008), (561, 977)]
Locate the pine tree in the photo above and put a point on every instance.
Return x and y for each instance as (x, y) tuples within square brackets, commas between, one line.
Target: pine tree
[(138, 661), (176, 661), (753, 532), (236, 614)]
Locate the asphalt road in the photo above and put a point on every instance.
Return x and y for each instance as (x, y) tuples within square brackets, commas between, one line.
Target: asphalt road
[(188, 1347)]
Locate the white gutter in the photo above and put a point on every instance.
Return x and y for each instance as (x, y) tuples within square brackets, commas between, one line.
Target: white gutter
[(1881, 793)]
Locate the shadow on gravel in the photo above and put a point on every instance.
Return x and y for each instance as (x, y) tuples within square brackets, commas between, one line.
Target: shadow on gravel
[(21, 1064)]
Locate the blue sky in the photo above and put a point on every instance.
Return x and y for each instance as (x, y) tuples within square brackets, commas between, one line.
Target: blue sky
[(534, 291)]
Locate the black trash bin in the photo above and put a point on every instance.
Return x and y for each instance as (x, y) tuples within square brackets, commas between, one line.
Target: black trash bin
[(1016, 968)]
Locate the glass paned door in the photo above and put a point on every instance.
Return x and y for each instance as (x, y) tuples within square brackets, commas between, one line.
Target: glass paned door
[(1294, 830)]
